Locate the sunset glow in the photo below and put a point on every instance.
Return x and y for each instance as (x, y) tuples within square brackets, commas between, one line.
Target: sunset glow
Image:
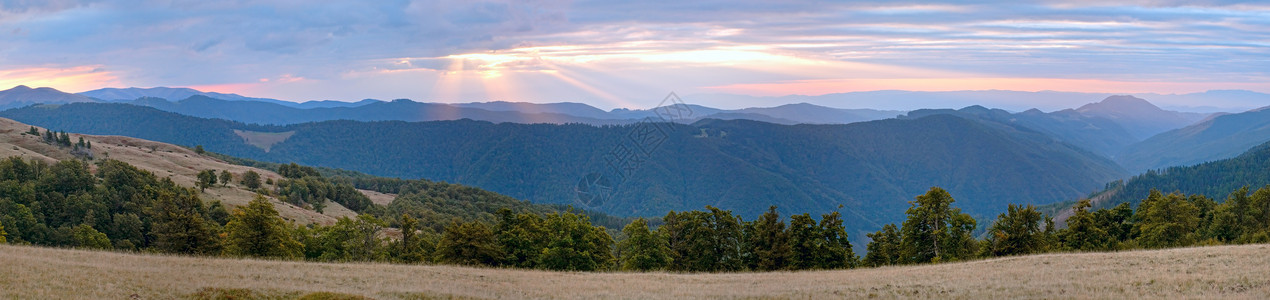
[(619, 54)]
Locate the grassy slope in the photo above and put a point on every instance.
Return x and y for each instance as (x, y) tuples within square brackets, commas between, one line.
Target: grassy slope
[(164, 160), (1208, 272)]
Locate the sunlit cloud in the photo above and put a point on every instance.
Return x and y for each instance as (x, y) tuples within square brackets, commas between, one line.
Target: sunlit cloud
[(615, 54)]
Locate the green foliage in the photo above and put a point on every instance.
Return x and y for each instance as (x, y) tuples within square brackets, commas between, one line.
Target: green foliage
[(804, 238), (768, 242), (316, 191), (574, 244), (181, 225), (415, 245), (884, 247), (1166, 221), (643, 249), (834, 250), (295, 171), (226, 177), (469, 243), (703, 241), (935, 231), (3, 234), (251, 179), (522, 238), (1082, 232), (85, 236), (206, 179), (349, 239), (1019, 231), (256, 230)]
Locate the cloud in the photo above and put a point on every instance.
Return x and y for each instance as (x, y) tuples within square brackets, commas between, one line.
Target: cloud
[(625, 48)]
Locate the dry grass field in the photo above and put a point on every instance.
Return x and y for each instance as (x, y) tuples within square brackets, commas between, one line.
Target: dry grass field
[(165, 160), (1207, 272)]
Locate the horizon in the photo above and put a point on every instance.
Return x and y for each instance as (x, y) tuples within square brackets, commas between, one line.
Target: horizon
[(624, 55), (804, 99)]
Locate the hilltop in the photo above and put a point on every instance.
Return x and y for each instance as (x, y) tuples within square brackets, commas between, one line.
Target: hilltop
[(1206, 272)]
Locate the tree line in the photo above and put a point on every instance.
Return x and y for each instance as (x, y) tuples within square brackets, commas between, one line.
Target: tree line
[(124, 208)]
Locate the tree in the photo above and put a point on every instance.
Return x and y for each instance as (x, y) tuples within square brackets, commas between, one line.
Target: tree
[(574, 244), (1166, 221), (884, 247), (469, 243), (226, 177), (199, 149), (804, 242), (257, 230), (521, 236), (86, 236), (251, 179), (413, 247), (642, 250), (934, 231), (1082, 232), (2, 233), (180, 226), (206, 178), (835, 251), (702, 241), (768, 242), (1017, 232)]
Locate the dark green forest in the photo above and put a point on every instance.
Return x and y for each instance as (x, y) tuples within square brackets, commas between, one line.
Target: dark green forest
[(1211, 179), (868, 168)]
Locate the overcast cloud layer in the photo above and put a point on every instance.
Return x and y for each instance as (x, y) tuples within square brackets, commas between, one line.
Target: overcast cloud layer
[(630, 53)]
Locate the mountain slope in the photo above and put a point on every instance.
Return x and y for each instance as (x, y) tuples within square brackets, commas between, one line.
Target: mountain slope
[(164, 160), (1218, 138), (872, 168), (22, 95)]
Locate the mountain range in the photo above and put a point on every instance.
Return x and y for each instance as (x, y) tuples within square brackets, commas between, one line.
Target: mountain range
[(872, 169), (801, 157)]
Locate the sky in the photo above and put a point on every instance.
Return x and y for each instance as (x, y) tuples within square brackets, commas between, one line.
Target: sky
[(632, 53)]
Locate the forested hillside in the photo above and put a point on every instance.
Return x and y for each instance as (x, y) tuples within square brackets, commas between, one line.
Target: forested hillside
[(1214, 179), (1218, 138), (1096, 134), (871, 169)]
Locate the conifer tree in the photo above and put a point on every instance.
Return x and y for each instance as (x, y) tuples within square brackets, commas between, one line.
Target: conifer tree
[(835, 251), (768, 242), (884, 247)]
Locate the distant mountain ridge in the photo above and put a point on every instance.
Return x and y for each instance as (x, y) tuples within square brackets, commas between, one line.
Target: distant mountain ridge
[(254, 110), (1139, 117), (175, 94), (22, 95)]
